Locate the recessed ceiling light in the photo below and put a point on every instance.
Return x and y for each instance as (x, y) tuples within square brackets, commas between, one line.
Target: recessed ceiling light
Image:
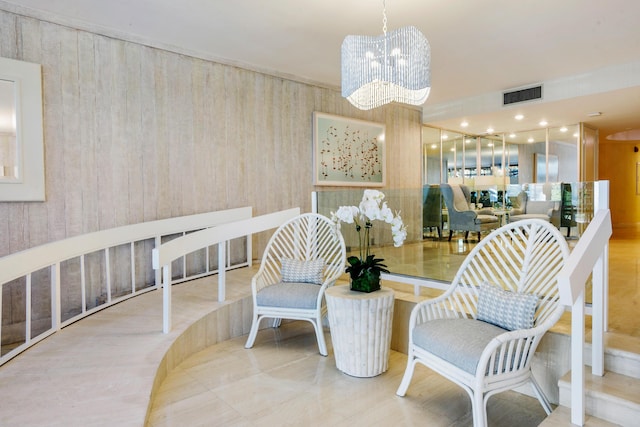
[(490, 130), (530, 139), (512, 135), (543, 123), (575, 135), (464, 124), (519, 117), (434, 146), (490, 145), (453, 149), (445, 136), (563, 129)]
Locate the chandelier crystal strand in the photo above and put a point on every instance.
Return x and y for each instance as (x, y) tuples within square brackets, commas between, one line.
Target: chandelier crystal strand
[(392, 67)]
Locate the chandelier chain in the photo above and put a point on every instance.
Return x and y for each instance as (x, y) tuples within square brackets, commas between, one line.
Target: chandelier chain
[(384, 17)]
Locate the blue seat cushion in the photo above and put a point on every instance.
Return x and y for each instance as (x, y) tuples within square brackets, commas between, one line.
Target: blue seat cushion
[(289, 295), (458, 341)]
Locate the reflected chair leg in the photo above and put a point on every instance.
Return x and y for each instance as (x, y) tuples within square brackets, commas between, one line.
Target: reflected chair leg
[(450, 234), (478, 236)]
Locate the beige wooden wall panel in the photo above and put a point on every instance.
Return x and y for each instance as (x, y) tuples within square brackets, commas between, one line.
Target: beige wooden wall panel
[(134, 133)]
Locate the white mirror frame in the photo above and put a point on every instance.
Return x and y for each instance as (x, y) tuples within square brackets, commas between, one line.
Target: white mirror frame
[(29, 132)]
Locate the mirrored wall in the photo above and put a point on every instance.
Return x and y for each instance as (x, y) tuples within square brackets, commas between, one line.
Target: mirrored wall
[(536, 156)]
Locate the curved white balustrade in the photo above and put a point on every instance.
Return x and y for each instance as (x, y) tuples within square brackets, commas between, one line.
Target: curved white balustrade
[(19, 267)]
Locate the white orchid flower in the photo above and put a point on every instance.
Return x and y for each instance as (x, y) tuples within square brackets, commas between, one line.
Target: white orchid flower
[(373, 195), (385, 213), (346, 214), (370, 209)]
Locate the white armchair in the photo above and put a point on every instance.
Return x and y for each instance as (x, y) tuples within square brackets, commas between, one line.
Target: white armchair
[(303, 257), (483, 331)]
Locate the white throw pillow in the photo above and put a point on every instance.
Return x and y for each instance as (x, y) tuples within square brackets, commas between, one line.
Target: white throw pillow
[(506, 309), (294, 270)]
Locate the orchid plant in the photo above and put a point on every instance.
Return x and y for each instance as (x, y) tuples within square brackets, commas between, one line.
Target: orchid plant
[(366, 267)]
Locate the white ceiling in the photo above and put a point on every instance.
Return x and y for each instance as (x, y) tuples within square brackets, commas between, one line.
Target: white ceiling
[(588, 50)]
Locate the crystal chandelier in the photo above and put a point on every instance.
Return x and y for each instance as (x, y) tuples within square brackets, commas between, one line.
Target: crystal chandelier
[(387, 68)]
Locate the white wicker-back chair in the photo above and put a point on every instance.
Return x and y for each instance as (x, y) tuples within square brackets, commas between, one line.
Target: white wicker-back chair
[(303, 257), (509, 279)]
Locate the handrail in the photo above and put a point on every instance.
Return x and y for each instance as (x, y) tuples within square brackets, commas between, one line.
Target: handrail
[(589, 256), (21, 263), (49, 258), (164, 255)]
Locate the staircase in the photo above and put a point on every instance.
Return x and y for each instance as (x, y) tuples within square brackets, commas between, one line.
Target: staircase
[(613, 399)]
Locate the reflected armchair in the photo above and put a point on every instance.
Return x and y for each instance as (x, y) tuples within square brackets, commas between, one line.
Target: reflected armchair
[(461, 216), (523, 208), (432, 208)]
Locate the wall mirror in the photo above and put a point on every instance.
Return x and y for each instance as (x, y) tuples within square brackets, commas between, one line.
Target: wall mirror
[(21, 132)]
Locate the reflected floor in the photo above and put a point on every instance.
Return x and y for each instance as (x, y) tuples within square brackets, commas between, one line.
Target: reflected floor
[(439, 259)]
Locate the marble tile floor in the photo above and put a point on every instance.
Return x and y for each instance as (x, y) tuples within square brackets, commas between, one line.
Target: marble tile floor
[(283, 381), (100, 371)]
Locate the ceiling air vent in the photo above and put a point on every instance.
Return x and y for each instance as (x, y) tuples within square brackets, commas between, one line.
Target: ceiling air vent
[(522, 95)]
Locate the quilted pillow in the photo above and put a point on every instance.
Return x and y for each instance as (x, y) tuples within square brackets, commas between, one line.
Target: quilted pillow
[(294, 270), (506, 309)]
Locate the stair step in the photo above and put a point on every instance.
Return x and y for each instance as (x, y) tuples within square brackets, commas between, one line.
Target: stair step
[(561, 417), (613, 397), (621, 354)]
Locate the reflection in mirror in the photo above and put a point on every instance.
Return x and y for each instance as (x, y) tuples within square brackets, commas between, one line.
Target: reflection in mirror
[(452, 152), (546, 159), (8, 143), (511, 160), (431, 155), (470, 153), (21, 131)]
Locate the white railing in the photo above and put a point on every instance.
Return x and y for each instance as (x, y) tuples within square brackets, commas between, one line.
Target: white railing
[(165, 254), (27, 268), (589, 256)]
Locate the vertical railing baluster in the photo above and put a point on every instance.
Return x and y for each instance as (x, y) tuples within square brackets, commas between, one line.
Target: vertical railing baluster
[(83, 285), (577, 361), (166, 300), (222, 271), (107, 264), (56, 304), (133, 268), (27, 322), (184, 262), (207, 267), (158, 272)]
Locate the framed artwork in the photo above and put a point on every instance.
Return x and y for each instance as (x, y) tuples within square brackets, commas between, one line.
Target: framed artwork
[(348, 152)]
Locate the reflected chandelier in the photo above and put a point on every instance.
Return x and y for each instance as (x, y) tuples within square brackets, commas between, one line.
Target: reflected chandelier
[(387, 68)]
